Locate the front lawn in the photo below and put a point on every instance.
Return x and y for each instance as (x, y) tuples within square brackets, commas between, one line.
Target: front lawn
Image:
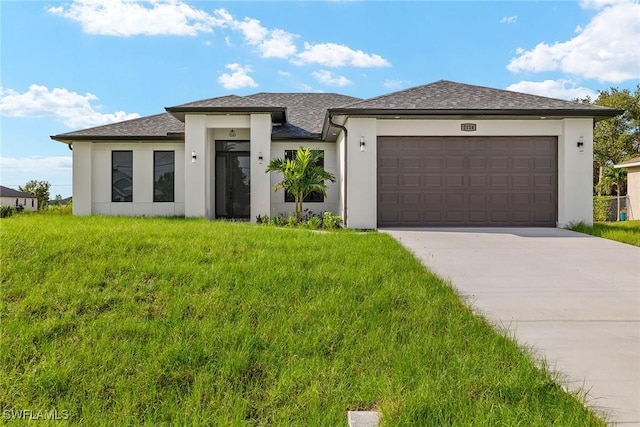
[(623, 231), (122, 321)]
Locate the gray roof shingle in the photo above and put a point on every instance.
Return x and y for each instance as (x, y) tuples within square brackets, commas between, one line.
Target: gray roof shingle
[(305, 111), (446, 95), (10, 192), (159, 126), (303, 115)]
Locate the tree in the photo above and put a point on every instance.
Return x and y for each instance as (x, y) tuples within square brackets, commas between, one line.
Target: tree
[(301, 176), (40, 189), (618, 138), (613, 177)]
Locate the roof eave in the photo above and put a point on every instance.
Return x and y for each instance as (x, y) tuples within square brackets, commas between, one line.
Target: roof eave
[(476, 112), (278, 114), (70, 139)]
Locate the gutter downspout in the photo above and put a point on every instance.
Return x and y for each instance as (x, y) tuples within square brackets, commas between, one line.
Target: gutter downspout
[(346, 163)]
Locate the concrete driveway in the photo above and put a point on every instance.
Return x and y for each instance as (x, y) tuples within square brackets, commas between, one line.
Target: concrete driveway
[(574, 298)]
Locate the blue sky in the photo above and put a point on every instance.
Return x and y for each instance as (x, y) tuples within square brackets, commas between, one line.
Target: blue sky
[(77, 64)]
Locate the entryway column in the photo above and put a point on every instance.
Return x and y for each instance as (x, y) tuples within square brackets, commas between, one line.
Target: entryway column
[(195, 163), (260, 155)]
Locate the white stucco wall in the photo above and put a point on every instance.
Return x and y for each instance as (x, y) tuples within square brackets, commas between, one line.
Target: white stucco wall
[(93, 196), (331, 202), (575, 172), (260, 147), (28, 203), (361, 173), (633, 193), (574, 166)]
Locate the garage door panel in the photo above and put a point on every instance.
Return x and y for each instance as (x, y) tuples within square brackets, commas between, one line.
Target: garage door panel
[(454, 181), (498, 181), (458, 181), (496, 163), (478, 181), (388, 163), (433, 180), (519, 180), (431, 163), (411, 180), (388, 180), (521, 163), (454, 163)]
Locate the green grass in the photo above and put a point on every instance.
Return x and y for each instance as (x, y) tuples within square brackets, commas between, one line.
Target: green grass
[(123, 321), (623, 231)]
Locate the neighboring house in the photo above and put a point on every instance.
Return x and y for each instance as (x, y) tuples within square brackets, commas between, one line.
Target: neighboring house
[(633, 186), (61, 202), (440, 154), (17, 199)]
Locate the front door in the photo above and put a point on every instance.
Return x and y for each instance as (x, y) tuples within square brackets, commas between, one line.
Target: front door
[(232, 180)]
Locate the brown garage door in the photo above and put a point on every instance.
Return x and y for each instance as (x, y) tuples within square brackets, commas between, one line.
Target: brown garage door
[(467, 181)]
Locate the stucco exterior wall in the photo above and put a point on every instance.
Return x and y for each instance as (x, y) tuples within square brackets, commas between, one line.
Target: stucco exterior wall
[(633, 193), (361, 206), (28, 203), (94, 196), (331, 202), (574, 166)]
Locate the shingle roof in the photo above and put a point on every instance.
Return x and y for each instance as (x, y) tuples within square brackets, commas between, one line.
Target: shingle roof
[(228, 101), (445, 95), (10, 192), (159, 126), (305, 111), (303, 115)]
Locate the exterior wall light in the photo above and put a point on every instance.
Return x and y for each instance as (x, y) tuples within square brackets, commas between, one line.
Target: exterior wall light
[(580, 144), (232, 133), (193, 157), (362, 143)]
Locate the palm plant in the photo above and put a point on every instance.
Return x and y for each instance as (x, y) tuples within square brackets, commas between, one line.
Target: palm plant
[(301, 176)]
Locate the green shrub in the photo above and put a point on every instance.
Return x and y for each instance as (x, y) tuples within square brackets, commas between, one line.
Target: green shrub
[(601, 208), (331, 221), (314, 223), (6, 211)]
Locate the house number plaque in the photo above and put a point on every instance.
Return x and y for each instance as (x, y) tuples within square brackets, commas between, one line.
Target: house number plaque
[(468, 127)]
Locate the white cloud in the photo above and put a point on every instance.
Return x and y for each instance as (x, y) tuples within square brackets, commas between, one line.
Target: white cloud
[(174, 17), (509, 19), (239, 77), (73, 109), (337, 55), (396, 84), (270, 43), (562, 89), (606, 49), (131, 17), (328, 78), (284, 73), (279, 45), (35, 164)]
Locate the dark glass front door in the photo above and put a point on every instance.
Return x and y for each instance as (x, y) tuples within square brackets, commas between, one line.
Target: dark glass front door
[(232, 184)]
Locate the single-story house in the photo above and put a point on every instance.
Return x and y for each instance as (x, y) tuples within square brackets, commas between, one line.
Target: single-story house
[(441, 154), (18, 199), (633, 186)]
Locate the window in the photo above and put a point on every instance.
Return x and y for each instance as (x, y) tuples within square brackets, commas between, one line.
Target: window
[(122, 176), (314, 197), (163, 176)]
